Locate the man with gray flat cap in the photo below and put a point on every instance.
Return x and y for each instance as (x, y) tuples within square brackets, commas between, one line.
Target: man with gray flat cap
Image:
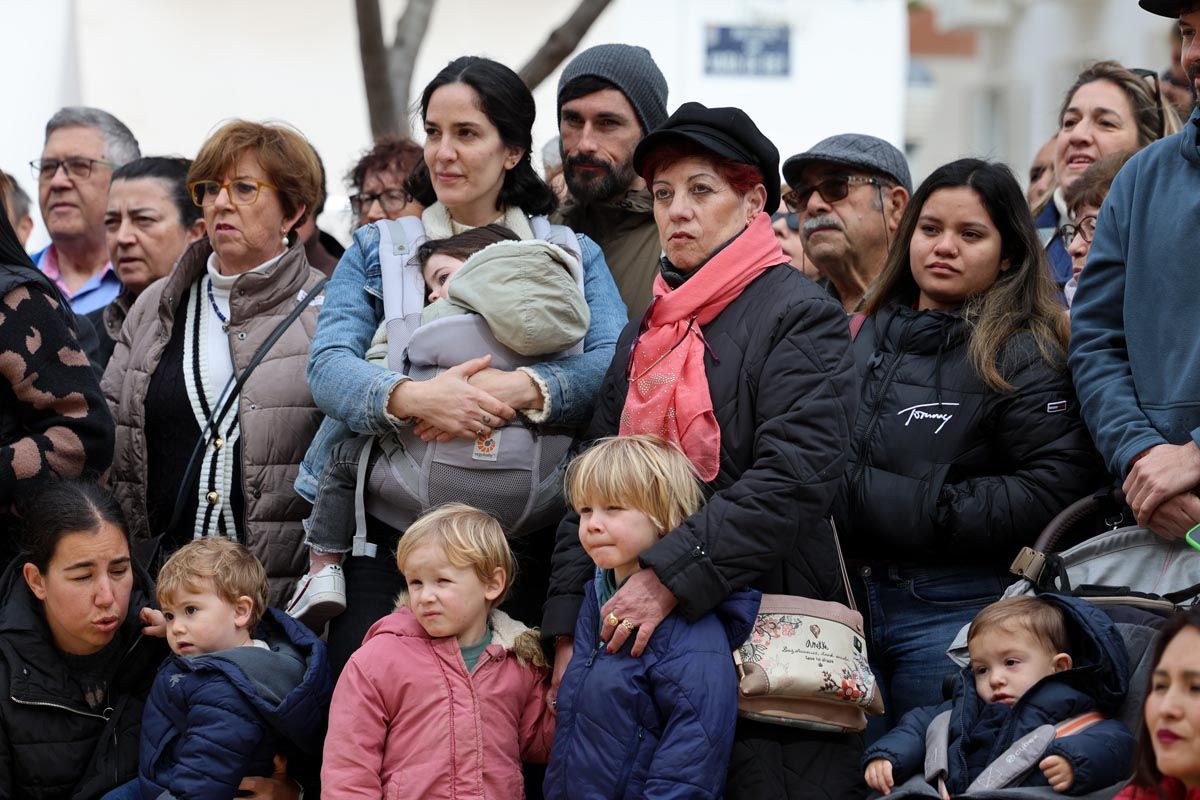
[(1133, 343), (849, 192)]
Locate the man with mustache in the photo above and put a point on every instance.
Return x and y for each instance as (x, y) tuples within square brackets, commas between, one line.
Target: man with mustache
[(1132, 353), (83, 147), (609, 97), (849, 193)]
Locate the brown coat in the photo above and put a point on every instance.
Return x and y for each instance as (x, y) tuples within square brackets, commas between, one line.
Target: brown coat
[(278, 417), (625, 230)]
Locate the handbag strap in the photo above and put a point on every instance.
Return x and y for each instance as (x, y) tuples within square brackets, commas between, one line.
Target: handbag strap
[(837, 545), (218, 415)]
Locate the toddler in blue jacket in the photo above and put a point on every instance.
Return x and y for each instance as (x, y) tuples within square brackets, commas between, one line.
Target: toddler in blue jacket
[(226, 703), (1028, 710), (660, 724)]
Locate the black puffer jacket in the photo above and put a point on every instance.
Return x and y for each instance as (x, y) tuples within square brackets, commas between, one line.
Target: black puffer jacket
[(784, 394), (52, 745), (946, 469)]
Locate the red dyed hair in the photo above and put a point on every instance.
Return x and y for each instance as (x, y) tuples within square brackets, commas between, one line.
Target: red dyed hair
[(741, 177)]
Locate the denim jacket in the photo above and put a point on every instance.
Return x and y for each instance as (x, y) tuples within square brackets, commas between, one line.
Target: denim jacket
[(354, 393)]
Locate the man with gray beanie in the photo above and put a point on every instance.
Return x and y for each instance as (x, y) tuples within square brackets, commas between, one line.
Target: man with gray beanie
[(83, 147), (849, 192), (609, 97)]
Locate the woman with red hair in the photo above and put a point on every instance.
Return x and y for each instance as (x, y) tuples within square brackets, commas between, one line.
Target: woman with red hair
[(744, 363)]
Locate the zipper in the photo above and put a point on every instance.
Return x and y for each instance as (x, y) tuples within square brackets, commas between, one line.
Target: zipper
[(106, 716), (627, 767), (880, 397), (592, 657)]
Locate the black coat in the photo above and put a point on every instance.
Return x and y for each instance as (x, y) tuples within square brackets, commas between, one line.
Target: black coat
[(784, 394), (946, 469), (52, 745)]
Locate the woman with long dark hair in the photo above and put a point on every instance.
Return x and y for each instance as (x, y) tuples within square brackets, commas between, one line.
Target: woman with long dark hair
[(478, 118), (968, 439), (54, 422)]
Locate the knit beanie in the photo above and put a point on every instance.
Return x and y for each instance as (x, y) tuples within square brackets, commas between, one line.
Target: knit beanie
[(630, 69)]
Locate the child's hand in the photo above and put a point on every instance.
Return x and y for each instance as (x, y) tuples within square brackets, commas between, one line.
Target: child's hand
[(1058, 772), (879, 776), (155, 622)]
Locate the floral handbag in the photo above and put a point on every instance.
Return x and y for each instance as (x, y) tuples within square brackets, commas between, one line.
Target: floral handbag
[(805, 664)]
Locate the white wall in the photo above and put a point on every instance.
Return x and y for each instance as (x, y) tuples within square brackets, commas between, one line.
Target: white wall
[(173, 70)]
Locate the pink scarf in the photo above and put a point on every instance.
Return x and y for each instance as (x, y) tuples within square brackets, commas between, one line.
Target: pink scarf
[(668, 387)]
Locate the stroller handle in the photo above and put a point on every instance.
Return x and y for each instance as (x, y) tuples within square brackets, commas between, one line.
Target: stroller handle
[(1069, 517)]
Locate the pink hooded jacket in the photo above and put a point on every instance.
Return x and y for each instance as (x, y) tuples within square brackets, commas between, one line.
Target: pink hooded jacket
[(407, 721)]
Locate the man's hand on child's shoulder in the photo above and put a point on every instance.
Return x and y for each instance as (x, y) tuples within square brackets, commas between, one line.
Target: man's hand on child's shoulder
[(1058, 772), (879, 775)]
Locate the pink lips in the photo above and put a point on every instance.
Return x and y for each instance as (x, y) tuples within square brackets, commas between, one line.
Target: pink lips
[(1166, 736), (107, 624)]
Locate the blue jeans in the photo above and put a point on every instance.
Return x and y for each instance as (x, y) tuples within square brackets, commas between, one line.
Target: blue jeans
[(126, 791), (912, 614)]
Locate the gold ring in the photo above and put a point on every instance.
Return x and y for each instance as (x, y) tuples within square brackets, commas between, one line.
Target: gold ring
[(612, 620), (627, 625)]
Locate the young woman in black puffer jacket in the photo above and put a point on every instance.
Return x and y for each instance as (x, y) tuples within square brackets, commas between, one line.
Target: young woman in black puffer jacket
[(968, 438)]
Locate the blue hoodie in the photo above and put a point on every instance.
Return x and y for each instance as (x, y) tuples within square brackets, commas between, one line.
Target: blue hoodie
[(1134, 349), (979, 733), (214, 719), (658, 725)]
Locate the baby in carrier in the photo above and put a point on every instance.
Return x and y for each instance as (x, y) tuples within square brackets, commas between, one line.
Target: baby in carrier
[(1028, 709), (489, 292)]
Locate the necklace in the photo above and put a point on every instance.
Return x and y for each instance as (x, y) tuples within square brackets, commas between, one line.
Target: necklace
[(217, 309)]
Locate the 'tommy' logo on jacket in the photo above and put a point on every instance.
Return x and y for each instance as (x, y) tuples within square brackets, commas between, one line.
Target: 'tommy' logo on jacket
[(917, 413)]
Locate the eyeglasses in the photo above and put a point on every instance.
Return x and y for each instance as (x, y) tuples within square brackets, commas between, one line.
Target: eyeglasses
[(793, 221), (391, 200), (830, 189), (1142, 72), (240, 192), (1085, 227), (45, 169)]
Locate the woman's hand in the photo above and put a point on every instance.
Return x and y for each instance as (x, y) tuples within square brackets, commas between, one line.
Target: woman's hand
[(516, 388), (564, 646), (450, 404), (641, 604), (154, 621)]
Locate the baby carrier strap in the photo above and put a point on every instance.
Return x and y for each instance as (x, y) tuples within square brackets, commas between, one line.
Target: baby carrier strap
[(403, 289), (937, 753)]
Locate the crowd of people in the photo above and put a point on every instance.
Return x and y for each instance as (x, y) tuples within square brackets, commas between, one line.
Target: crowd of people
[(504, 482)]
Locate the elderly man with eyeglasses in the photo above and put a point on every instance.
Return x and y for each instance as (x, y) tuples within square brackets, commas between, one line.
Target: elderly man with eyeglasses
[(83, 147), (849, 192)]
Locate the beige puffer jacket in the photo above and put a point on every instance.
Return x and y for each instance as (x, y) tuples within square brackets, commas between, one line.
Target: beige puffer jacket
[(278, 418)]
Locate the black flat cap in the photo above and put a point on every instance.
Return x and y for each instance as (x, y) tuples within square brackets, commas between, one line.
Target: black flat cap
[(727, 132), (1166, 8)]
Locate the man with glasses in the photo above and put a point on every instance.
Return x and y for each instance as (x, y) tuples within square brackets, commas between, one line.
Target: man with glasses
[(1133, 351), (609, 97), (83, 147), (849, 193)]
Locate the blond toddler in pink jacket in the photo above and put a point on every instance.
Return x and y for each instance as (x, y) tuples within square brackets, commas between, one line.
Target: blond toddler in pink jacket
[(447, 695)]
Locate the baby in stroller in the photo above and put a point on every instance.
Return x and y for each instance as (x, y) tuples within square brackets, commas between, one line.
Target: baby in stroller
[(1028, 710)]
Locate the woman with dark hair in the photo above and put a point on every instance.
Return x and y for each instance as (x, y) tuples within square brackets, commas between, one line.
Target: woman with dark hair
[(744, 364), (74, 666), (53, 419), (1167, 757), (149, 222), (1108, 109), (478, 119), (968, 438)]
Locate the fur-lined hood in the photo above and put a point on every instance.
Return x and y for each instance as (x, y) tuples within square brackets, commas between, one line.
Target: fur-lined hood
[(508, 634)]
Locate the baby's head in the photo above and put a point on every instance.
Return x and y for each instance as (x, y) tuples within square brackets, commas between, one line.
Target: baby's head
[(629, 491), (213, 592), (441, 258), (458, 567), (1013, 644)]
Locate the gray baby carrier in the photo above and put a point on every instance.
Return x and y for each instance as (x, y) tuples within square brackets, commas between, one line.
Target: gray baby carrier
[(516, 474)]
